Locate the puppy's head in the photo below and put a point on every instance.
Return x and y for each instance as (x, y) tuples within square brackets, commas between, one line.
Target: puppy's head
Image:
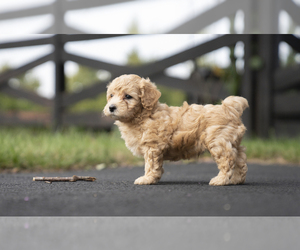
[(128, 95)]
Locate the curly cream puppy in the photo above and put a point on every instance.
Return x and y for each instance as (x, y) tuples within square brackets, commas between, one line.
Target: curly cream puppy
[(159, 132)]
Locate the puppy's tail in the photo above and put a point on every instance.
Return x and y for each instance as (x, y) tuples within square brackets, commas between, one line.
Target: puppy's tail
[(235, 105)]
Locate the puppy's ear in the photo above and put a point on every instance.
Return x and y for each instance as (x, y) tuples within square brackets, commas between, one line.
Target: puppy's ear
[(149, 94)]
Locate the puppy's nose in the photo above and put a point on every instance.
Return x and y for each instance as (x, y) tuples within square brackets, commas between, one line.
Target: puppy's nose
[(112, 108)]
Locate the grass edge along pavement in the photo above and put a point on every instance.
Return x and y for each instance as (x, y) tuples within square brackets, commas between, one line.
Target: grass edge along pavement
[(28, 149)]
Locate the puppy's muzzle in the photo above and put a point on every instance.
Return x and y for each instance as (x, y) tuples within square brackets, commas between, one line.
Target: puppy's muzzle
[(112, 108)]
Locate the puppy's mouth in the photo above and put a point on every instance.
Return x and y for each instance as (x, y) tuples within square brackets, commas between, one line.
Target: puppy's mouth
[(113, 116), (118, 117)]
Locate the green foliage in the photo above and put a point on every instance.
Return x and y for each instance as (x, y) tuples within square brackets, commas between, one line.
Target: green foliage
[(134, 28), (85, 77), (171, 97), (134, 59), (8, 103), (230, 76), (26, 81), (92, 104), (291, 58)]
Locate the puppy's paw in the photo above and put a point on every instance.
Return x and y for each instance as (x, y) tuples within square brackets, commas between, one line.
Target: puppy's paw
[(237, 179), (145, 180), (219, 181)]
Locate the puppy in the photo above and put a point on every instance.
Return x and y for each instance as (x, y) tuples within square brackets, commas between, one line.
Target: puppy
[(159, 132)]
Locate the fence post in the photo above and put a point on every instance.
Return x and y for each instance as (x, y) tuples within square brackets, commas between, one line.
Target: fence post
[(248, 16), (262, 16), (247, 87), (59, 83), (269, 16), (193, 98), (268, 52), (58, 15)]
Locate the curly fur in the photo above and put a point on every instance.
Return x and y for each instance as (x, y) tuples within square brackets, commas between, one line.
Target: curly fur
[(159, 132)]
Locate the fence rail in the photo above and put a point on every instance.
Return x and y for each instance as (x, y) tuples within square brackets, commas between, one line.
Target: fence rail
[(259, 16), (267, 88)]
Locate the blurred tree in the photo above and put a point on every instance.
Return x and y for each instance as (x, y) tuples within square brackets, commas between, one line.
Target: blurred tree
[(84, 77), (134, 59), (134, 28), (291, 58), (229, 75), (26, 81)]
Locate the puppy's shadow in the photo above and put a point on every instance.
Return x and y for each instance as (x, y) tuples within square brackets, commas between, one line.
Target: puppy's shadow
[(191, 183), (161, 183)]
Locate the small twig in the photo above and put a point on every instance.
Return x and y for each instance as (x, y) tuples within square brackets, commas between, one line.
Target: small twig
[(71, 179)]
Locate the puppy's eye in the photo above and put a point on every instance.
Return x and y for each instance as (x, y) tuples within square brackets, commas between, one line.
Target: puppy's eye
[(111, 95), (128, 97)]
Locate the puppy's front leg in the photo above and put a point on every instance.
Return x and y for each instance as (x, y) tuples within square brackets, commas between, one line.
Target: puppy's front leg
[(153, 168)]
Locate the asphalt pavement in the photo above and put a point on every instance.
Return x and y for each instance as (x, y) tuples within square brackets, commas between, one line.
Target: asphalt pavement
[(269, 190)]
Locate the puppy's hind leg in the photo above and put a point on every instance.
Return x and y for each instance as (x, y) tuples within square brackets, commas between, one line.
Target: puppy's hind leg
[(225, 156), (239, 174)]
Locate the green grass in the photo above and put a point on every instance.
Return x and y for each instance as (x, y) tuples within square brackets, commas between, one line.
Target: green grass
[(274, 150), (28, 149), (39, 149)]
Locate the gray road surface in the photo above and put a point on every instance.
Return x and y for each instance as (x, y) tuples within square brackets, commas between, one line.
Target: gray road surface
[(270, 190)]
